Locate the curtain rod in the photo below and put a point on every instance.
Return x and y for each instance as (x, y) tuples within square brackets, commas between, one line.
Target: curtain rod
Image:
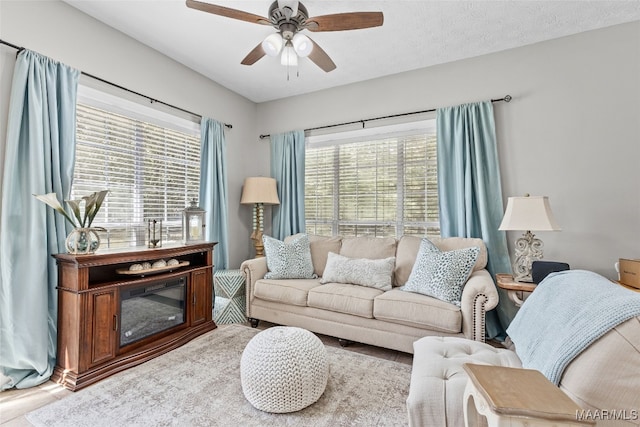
[(507, 98), (152, 100)]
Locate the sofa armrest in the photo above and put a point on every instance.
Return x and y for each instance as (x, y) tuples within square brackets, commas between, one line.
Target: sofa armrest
[(478, 296), (253, 270)]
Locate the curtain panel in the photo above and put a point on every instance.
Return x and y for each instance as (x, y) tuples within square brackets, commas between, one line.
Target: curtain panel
[(40, 155), (287, 167), (213, 188), (470, 190)]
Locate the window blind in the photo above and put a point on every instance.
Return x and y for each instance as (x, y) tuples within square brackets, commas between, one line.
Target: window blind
[(375, 187), (151, 171)]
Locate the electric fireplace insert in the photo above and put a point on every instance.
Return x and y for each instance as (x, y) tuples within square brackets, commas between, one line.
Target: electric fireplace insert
[(151, 308)]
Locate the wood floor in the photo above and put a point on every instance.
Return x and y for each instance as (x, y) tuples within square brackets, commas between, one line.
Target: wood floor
[(14, 404)]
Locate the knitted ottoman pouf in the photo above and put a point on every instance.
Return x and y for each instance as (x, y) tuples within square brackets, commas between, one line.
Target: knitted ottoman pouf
[(284, 369)]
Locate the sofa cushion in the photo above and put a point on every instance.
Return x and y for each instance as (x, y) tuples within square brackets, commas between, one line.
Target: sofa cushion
[(368, 247), (349, 299), (288, 260), (412, 309), (289, 291), (408, 247), (374, 273), (320, 246), (441, 274)]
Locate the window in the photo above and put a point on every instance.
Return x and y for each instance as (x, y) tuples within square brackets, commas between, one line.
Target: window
[(150, 162), (380, 182)]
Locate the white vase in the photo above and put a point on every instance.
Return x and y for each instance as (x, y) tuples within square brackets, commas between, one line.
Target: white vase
[(82, 241)]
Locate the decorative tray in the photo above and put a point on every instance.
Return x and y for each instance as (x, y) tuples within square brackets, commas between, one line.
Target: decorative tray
[(151, 270)]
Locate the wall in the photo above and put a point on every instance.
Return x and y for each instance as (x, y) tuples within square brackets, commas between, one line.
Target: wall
[(63, 33), (572, 131)]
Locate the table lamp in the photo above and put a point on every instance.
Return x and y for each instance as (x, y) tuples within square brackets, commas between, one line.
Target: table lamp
[(259, 191), (528, 213)]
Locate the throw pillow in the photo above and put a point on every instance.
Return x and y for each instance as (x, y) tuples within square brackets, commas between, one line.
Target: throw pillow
[(290, 260), (441, 275), (373, 273), (320, 247)]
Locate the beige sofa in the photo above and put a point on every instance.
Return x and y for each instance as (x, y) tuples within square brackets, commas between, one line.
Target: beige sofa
[(393, 319)]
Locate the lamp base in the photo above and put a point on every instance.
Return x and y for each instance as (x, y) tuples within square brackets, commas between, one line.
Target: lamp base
[(256, 236), (528, 249), (259, 249)]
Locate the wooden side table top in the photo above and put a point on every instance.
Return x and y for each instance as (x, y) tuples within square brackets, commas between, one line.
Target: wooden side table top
[(631, 288), (505, 281), (522, 392)]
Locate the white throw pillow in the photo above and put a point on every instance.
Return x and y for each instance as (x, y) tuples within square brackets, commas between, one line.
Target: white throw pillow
[(291, 260), (441, 275), (373, 273)]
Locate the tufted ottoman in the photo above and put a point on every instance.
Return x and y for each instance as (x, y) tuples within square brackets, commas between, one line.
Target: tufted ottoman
[(438, 379), (284, 369)]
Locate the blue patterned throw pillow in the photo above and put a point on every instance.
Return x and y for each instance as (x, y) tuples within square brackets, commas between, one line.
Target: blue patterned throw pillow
[(441, 275), (373, 273), (288, 260)]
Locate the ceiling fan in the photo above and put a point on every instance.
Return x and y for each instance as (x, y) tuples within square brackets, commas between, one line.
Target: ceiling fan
[(290, 17)]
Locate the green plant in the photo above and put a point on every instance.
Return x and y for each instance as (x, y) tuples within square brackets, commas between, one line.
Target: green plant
[(80, 218)]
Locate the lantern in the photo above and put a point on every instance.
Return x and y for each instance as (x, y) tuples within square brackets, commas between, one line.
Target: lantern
[(193, 223)]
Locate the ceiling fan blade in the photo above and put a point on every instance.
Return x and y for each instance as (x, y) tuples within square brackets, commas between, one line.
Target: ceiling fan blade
[(227, 12), (320, 58), (254, 55), (345, 21)]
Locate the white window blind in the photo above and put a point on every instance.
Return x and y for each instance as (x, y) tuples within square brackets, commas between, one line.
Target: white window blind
[(382, 183), (151, 170)]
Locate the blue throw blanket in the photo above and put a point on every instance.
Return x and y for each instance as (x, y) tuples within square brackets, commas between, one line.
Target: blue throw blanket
[(567, 312)]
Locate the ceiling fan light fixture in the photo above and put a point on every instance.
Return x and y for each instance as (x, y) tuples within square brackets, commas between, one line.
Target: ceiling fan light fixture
[(302, 45), (272, 45), (289, 17), (289, 57)]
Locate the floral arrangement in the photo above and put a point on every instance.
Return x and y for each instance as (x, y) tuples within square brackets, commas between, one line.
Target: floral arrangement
[(81, 218)]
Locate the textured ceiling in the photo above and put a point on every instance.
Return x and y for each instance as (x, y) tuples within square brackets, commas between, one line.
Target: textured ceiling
[(415, 34)]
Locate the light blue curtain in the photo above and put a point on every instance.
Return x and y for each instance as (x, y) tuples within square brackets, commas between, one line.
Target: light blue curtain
[(213, 188), (470, 192), (287, 167), (40, 154)]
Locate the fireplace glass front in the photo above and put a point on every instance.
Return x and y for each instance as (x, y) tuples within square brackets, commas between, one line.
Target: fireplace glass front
[(151, 308)]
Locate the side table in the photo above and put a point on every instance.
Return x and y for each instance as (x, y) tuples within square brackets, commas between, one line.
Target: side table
[(230, 302), (514, 289), (517, 397), (631, 288)]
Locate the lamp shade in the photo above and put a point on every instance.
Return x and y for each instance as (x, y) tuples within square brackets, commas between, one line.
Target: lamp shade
[(259, 190), (272, 45), (289, 56), (302, 45), (530, 213)]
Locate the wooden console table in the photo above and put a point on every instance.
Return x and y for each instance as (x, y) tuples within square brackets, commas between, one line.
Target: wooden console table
[(91, 345)]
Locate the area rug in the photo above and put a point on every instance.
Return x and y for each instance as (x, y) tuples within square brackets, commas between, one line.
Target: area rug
[(198, 384)]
